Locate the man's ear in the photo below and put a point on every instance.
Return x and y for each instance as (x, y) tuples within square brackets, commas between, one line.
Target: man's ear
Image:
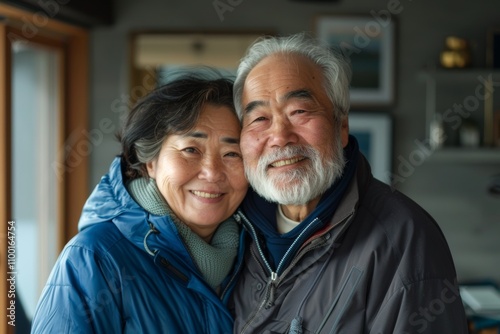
[(344, 131)]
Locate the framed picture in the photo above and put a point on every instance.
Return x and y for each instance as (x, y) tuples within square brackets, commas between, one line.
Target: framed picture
[(370, 45), (493, 48), (496, 128), (374, 134), (158, 56)]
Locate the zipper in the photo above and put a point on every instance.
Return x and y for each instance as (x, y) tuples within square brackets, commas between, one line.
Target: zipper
[(274, 279), (238, 269), (271, 288), (298, 239), (266, 264), (257, 242), (316, 243), (231, 280)]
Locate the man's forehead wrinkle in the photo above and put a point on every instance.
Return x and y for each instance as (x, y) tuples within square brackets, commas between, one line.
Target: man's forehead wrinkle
[(262, 89)]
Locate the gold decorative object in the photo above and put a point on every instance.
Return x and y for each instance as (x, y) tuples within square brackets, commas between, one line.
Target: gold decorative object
[(456, 53)]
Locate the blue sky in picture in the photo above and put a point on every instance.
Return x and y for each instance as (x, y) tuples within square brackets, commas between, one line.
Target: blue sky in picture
[(364, 142), (365, 63)]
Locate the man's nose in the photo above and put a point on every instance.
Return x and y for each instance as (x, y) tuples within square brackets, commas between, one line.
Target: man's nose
[(282, 133)]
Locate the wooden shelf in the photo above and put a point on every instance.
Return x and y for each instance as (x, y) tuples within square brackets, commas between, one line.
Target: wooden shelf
[(466, 75), (467, 155), (470, 88)]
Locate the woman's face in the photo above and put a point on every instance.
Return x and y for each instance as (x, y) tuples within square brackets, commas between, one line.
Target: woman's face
[(200, 173)]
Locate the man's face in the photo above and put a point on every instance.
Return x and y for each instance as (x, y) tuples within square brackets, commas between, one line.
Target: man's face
[(291, 142)]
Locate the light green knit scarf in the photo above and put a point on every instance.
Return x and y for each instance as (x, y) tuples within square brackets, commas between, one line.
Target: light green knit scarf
[(214, 260)]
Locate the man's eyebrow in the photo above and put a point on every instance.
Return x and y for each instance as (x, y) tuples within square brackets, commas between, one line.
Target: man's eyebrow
[(253, 105), (299, 93), (295, 94)]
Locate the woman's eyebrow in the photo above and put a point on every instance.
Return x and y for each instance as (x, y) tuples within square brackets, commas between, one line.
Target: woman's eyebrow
[(196, 134), (203, 135), (230, 140)]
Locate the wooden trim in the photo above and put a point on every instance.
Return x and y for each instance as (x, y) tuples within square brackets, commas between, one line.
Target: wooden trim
[(141, 80), (73, 187), (73, 166), (88, 13), (5, 173), (76, 125), (74, 158), (61, 213), (38, 23)]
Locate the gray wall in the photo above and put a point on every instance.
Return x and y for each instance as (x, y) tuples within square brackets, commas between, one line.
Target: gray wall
[(422, 26)]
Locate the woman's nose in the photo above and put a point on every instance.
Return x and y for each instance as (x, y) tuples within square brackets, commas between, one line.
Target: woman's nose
[(212, 169)]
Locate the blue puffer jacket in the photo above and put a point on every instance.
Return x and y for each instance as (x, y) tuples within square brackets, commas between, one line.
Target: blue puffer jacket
[(105, 280)]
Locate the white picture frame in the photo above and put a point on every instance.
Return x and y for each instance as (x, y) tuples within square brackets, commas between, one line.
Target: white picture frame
[(370, 45)]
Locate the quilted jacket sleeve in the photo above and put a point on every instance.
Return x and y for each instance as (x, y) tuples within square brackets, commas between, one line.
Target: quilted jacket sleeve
[(81, 296)]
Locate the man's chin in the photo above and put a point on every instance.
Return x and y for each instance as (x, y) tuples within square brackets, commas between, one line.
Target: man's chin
[(282, 192)]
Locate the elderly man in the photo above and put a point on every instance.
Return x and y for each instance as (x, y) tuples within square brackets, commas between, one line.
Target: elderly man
[(333, 250)]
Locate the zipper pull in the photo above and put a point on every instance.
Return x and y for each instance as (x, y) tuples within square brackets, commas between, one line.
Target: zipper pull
[(271, 289)]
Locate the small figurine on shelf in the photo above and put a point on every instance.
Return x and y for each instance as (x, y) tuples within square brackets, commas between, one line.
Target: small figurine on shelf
[(456, 54), (437, 134), (469, 134)]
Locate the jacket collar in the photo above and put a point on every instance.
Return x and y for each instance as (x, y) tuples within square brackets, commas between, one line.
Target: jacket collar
[(110, 202), (350, 201), (342, 218)]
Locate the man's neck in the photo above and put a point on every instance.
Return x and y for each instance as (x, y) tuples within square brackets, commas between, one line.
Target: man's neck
[(299, 212)]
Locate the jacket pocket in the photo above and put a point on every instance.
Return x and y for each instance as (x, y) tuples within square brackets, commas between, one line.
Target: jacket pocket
[(341, 302)]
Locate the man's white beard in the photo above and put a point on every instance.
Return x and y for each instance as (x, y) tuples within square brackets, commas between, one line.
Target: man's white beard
[(300, 185)]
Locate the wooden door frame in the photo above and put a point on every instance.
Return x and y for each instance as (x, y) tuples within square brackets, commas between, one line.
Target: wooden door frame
[(73, 188)]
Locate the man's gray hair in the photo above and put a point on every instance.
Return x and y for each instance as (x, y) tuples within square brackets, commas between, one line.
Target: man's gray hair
[(335, 66)]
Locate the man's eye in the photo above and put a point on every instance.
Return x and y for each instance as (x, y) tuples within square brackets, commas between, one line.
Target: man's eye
[(259, 119)]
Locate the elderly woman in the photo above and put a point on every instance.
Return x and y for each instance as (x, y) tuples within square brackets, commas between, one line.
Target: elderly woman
[(158, 245)]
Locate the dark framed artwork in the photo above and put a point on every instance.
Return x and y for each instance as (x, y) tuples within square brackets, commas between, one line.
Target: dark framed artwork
[(373, 132), (496, 128), (370, 45), (493, 48), (157, 56)]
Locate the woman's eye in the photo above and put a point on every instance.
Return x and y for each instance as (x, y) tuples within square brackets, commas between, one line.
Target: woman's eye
[(233, 155), (299, 111), (189, 150)]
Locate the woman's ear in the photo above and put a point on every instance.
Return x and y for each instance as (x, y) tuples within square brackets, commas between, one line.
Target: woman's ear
[(151, 168)]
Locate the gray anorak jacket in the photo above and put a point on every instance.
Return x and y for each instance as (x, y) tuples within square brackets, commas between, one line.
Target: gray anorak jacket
[(380, 266)]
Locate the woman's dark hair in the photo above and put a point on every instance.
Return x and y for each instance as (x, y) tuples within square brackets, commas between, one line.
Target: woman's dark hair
[(173, 108)]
